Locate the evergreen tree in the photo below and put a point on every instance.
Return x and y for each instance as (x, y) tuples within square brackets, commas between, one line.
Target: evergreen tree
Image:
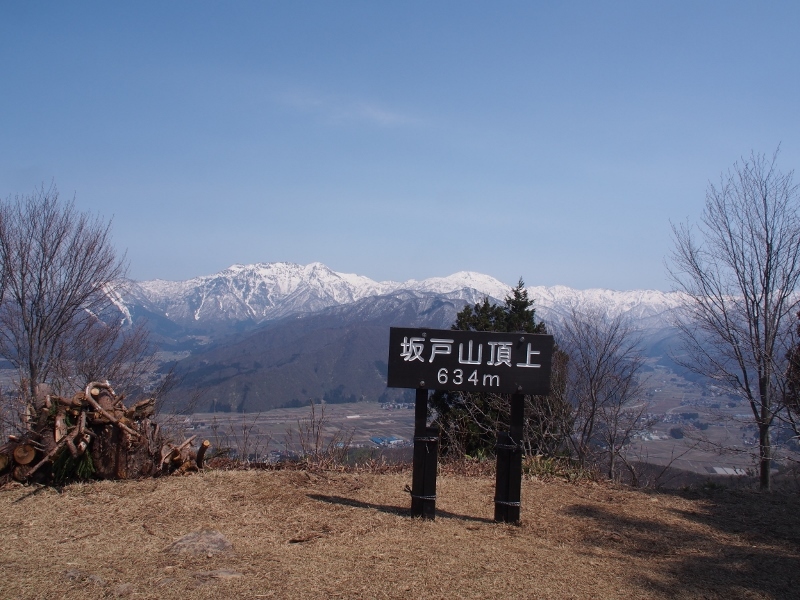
[(469, 421), (484, 316), (519, 312)]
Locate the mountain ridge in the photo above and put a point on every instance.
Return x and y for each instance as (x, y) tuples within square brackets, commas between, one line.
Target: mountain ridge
[(276, 334), (260, 292)]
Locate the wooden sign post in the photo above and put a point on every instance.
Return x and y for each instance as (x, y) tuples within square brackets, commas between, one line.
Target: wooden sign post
[(508, 485), (426, 458), (469, 361)]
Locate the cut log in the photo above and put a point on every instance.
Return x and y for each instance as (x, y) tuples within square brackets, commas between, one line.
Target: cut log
[(49, 456), (201, 453), (142, 409), (81, 447), (30, 416), (185, 443), (97, 418), (72, 449), (111, 417), (82, 422), (95, 388), (188, 467), (74, 402), (93, 423), (61, 425), (20, 473), (35, 444), (172, 456), (24, 454)]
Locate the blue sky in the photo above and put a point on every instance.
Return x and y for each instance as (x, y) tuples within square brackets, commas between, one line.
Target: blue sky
[(549, 140)]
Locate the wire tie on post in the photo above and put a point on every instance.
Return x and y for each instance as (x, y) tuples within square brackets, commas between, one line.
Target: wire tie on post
[(407, 489), (512, 447), (507, 503)]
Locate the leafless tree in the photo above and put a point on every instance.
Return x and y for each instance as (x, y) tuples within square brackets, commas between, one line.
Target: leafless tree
[(604, 384), (60, 272), (319, 445), (739, 269), (547, 420), (113, 349), (624, 417)]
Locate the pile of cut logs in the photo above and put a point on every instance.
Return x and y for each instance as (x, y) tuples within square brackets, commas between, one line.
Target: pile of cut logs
[(92, 435)]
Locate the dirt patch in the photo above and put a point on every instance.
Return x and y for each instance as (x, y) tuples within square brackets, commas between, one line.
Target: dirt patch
[(320, 535)]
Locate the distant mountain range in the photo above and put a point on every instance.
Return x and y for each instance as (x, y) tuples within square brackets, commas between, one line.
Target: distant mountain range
[(277, 334), (254, 294)]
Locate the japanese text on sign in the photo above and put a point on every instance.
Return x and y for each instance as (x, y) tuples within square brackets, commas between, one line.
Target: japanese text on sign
[(470, 360)]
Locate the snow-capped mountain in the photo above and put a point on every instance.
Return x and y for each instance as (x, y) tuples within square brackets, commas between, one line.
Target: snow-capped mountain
[(254, 294), (463, 280), (648, 309), (267, 291), (273, 334)]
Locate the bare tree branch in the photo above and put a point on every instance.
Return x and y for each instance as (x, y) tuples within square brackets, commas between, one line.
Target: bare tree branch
[(61, 276), (603, 384), (739, 269)]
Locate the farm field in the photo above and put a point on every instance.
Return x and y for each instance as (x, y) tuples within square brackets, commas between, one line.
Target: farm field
[(279, 430), (706, 419)]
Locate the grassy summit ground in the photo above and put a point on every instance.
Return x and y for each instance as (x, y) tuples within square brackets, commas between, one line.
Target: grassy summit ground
[(299, 534)]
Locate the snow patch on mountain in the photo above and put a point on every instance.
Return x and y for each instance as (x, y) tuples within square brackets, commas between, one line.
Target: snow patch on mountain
[(265, 291), (462, 280), (648, 308), (113, 294)]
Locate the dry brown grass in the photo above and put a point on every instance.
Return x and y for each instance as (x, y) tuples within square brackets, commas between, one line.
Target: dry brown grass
[(300, 534)]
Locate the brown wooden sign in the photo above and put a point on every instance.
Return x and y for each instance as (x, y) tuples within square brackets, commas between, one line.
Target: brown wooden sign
[(470, 361)]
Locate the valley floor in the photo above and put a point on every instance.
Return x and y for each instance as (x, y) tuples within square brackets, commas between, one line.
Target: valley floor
[(298, 534), (375, 427)]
